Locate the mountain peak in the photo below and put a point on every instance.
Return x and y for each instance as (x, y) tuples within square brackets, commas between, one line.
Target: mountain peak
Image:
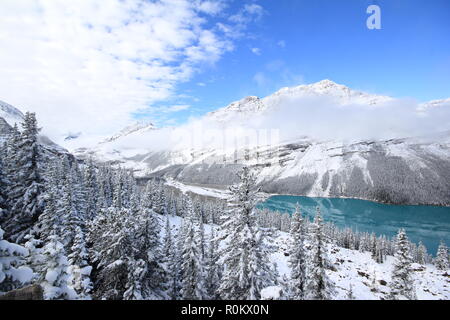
[(137, 126), (10, 114), (325, 83)]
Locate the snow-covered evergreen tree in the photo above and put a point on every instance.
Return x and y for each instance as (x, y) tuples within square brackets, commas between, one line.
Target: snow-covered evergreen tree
[(213, 270), (402, 283), (55, 276), (3, 187), (91, 189), (171, 281), (192, 284), (318, 285), (13, 271), (442, 259), (11, 189), (148, 249), (79, 268), (421, 254), (297, 257), (28, 203), (247, 267), (136, 279)]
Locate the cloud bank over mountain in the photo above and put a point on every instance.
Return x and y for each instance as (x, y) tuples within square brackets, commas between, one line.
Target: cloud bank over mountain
[(321, 111)]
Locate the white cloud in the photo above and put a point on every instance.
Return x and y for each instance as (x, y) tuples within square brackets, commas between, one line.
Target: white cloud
[(318, 117), (175, 108), (210, 7), (250, 12), (260, 79), (87, 65), (281, 44), (256, 51)]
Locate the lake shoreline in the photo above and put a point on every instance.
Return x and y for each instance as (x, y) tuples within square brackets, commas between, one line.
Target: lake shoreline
[(267, 195)]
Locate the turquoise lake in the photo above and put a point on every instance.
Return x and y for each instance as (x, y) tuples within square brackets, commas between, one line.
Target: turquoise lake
[(429, 224)]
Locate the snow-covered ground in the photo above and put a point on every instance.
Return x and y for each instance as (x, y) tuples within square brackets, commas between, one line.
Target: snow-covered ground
[(203, 191), (369, 280)]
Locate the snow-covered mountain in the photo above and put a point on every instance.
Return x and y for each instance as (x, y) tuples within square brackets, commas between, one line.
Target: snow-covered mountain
[(337, 93), (138, 127), (412, 170), (10, 115)]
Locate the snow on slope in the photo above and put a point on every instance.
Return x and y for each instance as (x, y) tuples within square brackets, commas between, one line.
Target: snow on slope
[(203, 191), (14, 116), (355, 268), (369, 280), (11, 114), (138, 127), (340, 94)]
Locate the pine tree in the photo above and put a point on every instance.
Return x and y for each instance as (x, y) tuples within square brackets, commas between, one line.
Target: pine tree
[(13, 272), (192, 285), (112, 247), (55, 275), (70, 216), (402, 283), (148, 196), (136, 278), (318, 285), (213, 272), (422, 255), (149, 250), (3, 188), (169, 262), (441, 260), (79, 268), (297, 257), (28, 203), (11, 167), (91, 189), (247, 269)]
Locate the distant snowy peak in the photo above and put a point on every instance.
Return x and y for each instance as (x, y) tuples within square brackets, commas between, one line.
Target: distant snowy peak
[(435, 104), (339, 93), (342, 94), (247, 106), (139, 126), (11, 114)]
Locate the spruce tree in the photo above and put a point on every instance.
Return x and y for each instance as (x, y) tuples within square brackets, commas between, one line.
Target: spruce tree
[(441, 260), (318, 285), (192, 285), (55, 277), (402, 283), (297, 257), (11, 167), (169, 263), (247, 268), (213, 270), (3, 188), (91, 189), (13, 270), (28, 203), (421, 255), (79, 267)]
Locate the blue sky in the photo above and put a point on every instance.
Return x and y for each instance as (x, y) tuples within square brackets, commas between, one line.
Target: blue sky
[(95, 66), (307, 41)]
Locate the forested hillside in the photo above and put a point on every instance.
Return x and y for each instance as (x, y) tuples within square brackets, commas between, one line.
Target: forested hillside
[(86, 230)]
